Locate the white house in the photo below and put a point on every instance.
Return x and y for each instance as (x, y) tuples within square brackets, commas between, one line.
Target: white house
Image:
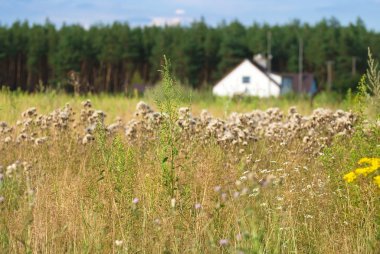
[(249, 78)]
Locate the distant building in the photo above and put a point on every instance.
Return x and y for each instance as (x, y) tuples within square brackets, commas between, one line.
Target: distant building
[(291, 83), (249, 78)]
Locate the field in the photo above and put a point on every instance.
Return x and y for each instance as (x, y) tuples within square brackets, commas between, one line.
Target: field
[(110, 174)]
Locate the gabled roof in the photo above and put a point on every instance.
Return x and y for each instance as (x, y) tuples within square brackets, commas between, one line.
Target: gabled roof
[(262, 69)]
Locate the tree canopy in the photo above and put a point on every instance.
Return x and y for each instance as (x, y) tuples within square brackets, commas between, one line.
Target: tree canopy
[(111, 58)]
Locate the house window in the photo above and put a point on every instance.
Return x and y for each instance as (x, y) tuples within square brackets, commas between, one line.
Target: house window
[(246, 79)]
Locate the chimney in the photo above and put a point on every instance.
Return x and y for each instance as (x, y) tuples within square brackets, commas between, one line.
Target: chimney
[(261, 60)]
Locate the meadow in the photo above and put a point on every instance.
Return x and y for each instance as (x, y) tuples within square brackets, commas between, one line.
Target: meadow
[(179, 171)]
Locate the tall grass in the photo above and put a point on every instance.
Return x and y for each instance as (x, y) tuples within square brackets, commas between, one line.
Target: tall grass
[(167, 196)]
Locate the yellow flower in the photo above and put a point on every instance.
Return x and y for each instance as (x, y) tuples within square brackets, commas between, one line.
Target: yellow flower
[(362, 171), (350, 177), (374, 165), (376, 180)]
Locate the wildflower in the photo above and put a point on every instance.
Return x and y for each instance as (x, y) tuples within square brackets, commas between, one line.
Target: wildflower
[(255, 192), (374, 165), (39, 141), (308, 216), (243, 178), (135, 201), (374, 162), (87, 104), (217, 188), (172, 202), (244, 191), (350, 177), (2, 199), (197, 206), (223, 242), (87, 138), (376, 180), (119, 242), (239, 237)]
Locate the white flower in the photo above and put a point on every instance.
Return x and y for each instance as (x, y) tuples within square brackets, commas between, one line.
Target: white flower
[(119, 242), (172, 202), (279, 198), (243, 178)]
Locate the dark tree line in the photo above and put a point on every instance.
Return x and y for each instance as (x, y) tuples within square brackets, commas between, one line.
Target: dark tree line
[(111, 58)]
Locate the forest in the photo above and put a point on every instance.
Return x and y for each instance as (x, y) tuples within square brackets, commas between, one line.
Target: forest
[(114, 57)]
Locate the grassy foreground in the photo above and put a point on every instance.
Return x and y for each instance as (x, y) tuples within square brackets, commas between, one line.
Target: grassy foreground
[(172, 183)]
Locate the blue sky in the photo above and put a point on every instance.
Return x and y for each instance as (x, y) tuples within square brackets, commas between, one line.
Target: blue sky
[(148, 12)]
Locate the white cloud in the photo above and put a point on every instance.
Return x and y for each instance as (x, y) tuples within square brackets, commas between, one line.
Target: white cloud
[(162, 21), (180, 11)]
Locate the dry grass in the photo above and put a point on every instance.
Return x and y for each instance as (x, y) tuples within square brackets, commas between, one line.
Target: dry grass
[(108, 195)]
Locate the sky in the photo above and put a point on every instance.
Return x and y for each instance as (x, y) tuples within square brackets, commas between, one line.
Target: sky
[(172, 12)]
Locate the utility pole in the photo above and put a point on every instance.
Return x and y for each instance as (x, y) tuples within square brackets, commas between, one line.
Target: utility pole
[(269, 58), (269, 50), (300, 64), (329, 74), (354, 58)]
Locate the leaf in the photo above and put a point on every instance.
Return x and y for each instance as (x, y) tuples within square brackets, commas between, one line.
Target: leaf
[(175, 151)]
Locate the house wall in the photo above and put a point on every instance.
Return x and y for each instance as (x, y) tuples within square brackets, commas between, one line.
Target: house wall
[(260, 85)]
